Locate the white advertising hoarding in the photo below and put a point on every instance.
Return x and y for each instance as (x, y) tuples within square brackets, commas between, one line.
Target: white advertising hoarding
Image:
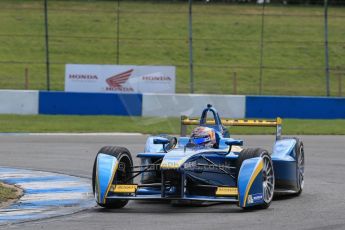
[(120, 78)]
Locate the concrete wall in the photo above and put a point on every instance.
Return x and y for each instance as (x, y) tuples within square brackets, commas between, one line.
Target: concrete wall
[(169, 105), (175, 105), (18, 102)]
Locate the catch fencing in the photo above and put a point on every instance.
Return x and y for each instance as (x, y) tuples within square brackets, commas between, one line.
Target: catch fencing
[(218, 47)]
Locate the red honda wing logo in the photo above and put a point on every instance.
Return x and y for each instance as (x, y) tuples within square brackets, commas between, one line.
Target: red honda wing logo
[(119, 79)]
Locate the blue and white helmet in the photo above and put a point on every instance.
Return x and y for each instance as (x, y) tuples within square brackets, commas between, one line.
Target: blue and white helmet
[(204, 136)]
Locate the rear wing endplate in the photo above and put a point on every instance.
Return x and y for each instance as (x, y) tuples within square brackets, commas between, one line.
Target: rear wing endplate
[(185, 121)]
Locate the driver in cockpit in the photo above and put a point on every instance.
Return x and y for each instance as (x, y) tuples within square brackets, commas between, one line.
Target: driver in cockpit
[(203, 136)]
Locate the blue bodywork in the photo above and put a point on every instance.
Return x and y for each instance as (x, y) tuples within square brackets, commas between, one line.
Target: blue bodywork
[(106, 168), (179, 177), (284, 163)]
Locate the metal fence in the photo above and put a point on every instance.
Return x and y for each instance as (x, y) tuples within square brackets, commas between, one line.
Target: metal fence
[(220, 48)]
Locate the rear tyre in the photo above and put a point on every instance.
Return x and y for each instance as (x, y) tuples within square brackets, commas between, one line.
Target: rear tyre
[(300, 161), (267, 172), (123, 173)]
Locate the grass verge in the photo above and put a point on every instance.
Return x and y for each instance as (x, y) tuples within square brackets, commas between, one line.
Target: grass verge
[(7, 193), (150, 125), (227, 40)]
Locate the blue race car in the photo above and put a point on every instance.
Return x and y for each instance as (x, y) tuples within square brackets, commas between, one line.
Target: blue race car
[(208, 166)]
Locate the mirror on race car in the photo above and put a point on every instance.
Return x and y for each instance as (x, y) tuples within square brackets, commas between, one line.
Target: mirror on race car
[(232, 142), (172, 143), (161, 141)]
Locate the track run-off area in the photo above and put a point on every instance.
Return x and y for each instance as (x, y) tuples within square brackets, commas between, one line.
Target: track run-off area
[(321, 205)]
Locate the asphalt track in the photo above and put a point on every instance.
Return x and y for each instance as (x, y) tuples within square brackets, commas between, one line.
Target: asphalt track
[(321, 205)]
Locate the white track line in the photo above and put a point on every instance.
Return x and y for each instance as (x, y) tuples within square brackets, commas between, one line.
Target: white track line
[(46, 195)]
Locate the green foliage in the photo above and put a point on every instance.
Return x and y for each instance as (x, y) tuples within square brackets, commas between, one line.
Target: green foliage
[(149, 125), (226, 41), (7, 193)]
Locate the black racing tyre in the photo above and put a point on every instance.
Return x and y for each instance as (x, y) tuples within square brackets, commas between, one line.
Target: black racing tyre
[(300, 161), (122, 175), (247, 154), (268, 174)]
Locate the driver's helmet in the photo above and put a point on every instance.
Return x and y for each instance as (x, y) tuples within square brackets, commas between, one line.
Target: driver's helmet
[(204, 136)]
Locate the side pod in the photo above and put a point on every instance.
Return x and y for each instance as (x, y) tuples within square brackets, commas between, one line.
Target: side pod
[(106, 167), (250, 188)]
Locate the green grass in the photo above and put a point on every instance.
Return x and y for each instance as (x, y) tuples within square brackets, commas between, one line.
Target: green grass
[(7, 193), (55, 123), (226, 40)]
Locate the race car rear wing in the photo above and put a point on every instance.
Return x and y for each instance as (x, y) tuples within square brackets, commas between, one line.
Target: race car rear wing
[(185, 121)]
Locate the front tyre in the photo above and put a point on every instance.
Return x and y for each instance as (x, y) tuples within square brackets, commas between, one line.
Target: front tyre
[(123, 174), (267, 181)]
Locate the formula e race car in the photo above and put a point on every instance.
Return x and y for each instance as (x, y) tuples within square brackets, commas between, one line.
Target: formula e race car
[(208, 166)]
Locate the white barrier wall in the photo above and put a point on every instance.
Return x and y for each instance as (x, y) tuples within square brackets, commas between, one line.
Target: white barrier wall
[(175, 105), (18, 102)]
